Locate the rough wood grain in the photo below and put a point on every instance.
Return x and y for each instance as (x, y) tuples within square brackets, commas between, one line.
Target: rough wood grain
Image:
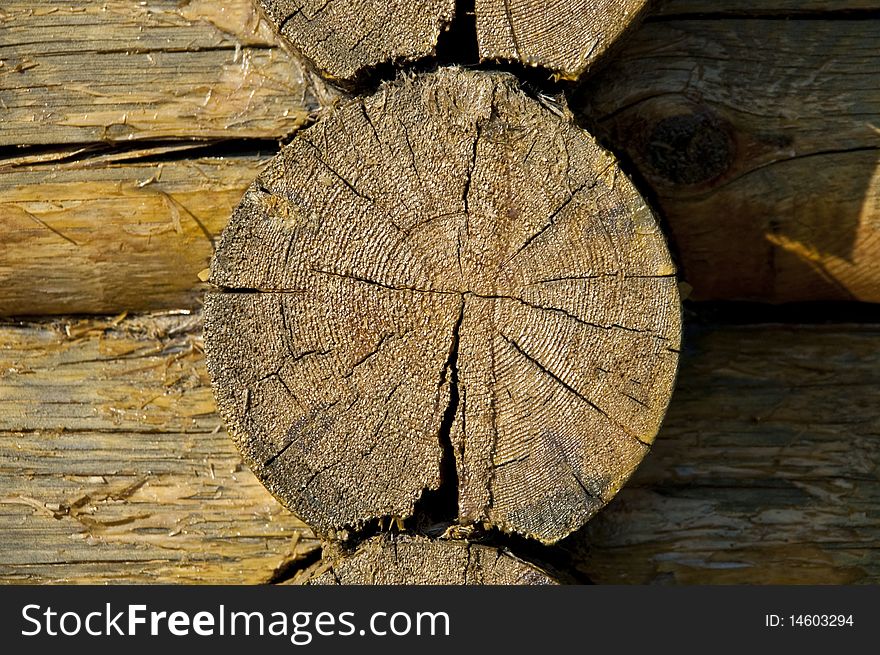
[(114, 466), (761, 142), (404, 560), (564, 36), (131, 224), (112, 233), (344, 38), (120, 71), (773, 69), (765, 472), (444, 284), (762, 7)]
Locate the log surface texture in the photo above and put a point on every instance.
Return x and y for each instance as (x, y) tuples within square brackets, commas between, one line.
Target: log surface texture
[(129, 132), (345, 38), (403, 560), (790, 212), (760, 139), (156, 116), (444, 287), (114, 466), (765, 470)]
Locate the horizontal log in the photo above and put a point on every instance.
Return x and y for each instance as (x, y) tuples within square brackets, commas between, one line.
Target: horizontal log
[(96, 234), (760, 140), (790, 213), (761, 7), (115, 468), (121, 70), (765, 471)]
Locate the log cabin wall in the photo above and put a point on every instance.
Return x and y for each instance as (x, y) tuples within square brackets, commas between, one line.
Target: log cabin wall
[(129, 131)]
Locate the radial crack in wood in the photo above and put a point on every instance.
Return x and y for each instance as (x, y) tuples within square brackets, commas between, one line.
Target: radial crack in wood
[(400, 560), (565, 36), (343, 38), (444, 267)]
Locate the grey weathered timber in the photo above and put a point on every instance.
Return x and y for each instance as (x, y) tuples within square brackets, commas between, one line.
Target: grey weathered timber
[(567, 37), (444, 285), (346, 38), (406, 560)]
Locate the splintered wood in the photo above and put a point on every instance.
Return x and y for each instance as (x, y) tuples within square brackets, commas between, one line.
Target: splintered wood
[(344, 38), (393, 560), (444, 299)]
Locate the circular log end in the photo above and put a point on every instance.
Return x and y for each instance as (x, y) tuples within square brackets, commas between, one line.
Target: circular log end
[(343, 38), (567, 38), (398, 560), (444, 299)]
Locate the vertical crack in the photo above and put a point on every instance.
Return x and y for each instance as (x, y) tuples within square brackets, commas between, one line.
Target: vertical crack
[(447, 508), (458, 44), (438, 509)]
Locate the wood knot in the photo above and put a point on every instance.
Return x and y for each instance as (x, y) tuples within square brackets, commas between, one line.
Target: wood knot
[(691, 148)]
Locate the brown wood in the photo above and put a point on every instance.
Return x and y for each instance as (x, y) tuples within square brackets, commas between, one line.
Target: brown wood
[(345, 38), (566, 37), (104, 234), (405, 560), (762, 7), (119, 71), (760, 141), (764, 471), (95, 222), (444, 285), (114, 466), (831, 196)]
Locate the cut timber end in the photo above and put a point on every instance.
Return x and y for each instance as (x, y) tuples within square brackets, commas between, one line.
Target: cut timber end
[(443, 287), (343, 38), (391, 560), (566, 37)]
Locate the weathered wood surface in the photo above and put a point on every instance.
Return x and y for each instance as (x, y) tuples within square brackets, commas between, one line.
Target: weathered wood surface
[(119, 70), (114, 466), (404, 560), (346, 38), (765, 470), (91, 220), (761, 7), (567, 37), (800, 223), (125, 231), (444, 287), (761, 142)]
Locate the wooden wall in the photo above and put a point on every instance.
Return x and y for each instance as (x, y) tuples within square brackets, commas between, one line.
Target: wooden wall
[(129, 130)]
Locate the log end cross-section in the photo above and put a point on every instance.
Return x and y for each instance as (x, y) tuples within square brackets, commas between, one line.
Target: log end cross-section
[(401, 560), (345, 38), (448, 291), (564, 36)]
